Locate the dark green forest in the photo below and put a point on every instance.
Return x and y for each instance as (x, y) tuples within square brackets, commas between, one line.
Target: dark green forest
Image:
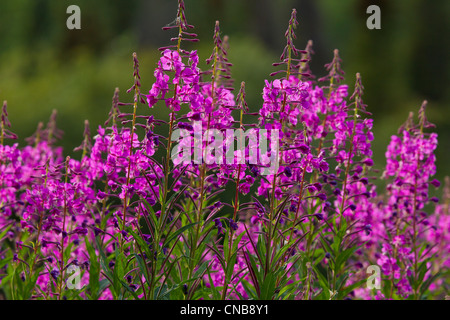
[(45, 66)]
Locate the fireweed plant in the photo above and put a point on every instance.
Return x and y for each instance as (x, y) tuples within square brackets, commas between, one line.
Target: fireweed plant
[(142, 215)]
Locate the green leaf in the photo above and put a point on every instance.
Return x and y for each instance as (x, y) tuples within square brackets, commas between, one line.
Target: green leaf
[(343, 228), (428, 282), (323, 281), (327, 246), (288, 289), (341, 281), (119, 270), (268, 287), (225, 246), (3, 262), (165, 291), (130, 290), (255, 273), (174, 197), (319, 256), (279, 253), (68, 251), (240, 297), (106, 270), (178, 232), (3, 233), (30, 285), (142, 267), (141, 242), (230, 267), (322, 295), (215, 292), (344, 256), (103, 284), (94, 270), (261, 249), (152, 218), (386, 287), (201, 269), (236, 242), (249, 290), (422, 270), (346, 291)]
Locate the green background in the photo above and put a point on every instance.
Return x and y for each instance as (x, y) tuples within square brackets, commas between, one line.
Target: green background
[(45, 66)]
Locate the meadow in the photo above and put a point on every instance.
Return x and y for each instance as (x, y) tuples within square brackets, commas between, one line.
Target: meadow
[(306, 217)]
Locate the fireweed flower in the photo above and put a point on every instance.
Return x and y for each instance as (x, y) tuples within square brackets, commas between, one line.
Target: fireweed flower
[(354, 160), (146, 225), (410, 165), (437, 231)]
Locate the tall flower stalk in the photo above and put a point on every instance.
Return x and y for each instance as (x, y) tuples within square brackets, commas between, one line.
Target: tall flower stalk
[(171, 209)]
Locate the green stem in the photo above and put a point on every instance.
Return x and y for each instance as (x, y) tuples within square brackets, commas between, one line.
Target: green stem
[(347, 169), (133, 128), (62, 269)]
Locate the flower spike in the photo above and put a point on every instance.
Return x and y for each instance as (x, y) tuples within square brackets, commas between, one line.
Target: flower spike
[(335, 72), (4, 123), (286, 57), (303, 65)]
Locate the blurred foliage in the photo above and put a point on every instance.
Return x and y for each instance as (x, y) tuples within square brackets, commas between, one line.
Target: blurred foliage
[(45, 66)]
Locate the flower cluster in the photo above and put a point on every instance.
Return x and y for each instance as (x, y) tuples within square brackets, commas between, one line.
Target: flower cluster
[(221, 201)]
